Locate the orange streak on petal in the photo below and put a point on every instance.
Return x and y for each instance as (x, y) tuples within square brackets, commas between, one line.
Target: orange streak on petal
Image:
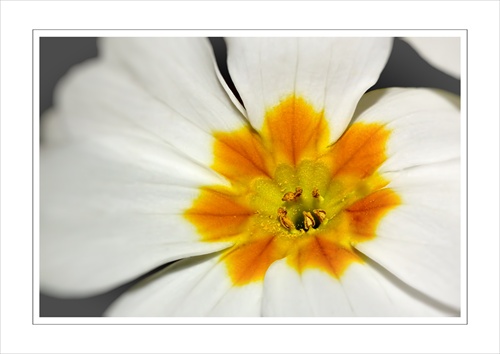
[(218, 216), (365, 214), (360, 151), (295, 131), (249, 262), (240, 155), (321, 253)]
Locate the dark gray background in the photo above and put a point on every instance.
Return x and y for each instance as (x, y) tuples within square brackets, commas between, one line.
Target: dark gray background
[(405, 68)]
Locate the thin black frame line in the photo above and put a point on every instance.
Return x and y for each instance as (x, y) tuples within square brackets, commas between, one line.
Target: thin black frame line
[(258, 324)]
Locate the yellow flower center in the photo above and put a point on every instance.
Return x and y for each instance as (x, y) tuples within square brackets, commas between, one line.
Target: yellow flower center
[(293, 195)]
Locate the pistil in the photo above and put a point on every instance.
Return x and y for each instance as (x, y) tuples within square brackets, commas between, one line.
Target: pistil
[(312, 219)]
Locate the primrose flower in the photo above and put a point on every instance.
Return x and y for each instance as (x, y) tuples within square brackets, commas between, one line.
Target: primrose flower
[(312, 198)]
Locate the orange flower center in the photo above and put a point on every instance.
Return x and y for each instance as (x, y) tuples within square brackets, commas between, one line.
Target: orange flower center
[(293, 195)]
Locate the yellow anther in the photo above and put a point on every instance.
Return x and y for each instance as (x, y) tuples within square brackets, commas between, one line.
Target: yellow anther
[(292, 196), (288, 197), (315, 194), (308, 220), (320, 213), (284, 220)]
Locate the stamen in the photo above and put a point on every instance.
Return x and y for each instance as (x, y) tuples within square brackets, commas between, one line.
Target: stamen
[(288, 197), (284, 220), (315, 194), (321, 214), (292, 196), (308, 220)]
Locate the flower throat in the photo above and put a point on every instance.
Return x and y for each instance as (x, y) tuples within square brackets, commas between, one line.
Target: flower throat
[(293, 194)]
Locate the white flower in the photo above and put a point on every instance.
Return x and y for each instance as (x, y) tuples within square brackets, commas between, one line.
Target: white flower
[(314, 199)]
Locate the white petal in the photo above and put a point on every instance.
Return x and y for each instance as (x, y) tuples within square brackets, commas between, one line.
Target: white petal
[(52, 128), (230, 94), (363, 290), (284, 294), (181, 73), (419, 241), (441, 52), (373, 292), (331, 73), (370, 294), (326, 295), (198, 286), (104, 222), (101, 101), (424, 125)]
